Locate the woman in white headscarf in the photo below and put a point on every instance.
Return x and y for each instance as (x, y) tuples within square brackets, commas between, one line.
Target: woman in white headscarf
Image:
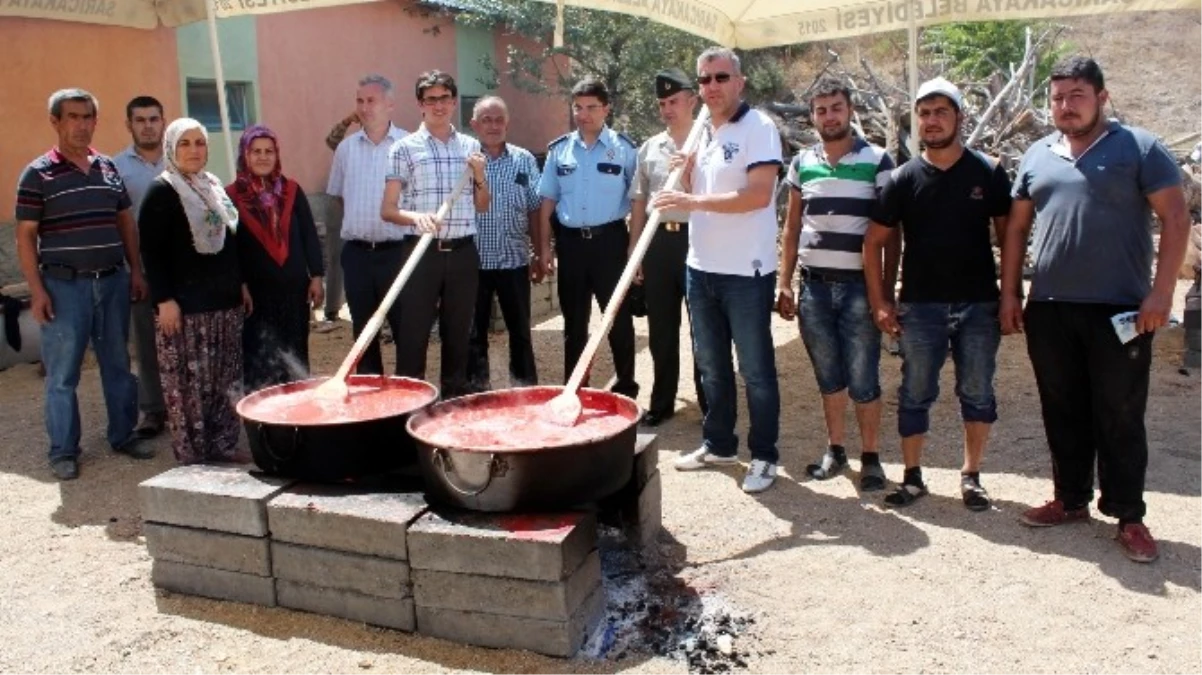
[(186, 227)]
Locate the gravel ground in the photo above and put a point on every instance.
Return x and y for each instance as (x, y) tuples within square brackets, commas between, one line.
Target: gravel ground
[(808, 577)]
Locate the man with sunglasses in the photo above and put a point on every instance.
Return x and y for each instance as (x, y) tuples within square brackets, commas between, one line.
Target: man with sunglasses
[(423, 169), (728, 190), (585, 186)]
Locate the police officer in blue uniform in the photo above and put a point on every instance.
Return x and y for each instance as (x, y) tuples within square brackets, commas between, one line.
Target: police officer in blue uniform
[(585, 188)]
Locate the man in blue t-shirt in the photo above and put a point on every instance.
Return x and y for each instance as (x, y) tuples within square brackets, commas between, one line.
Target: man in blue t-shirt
[(1090, 189)]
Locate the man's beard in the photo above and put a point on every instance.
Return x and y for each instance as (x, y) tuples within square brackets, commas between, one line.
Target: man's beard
[(1086, 129), (148, 145), (836, 135), (940, 143)]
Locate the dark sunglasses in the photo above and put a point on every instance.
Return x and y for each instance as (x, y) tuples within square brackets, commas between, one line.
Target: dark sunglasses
[(721, 78)]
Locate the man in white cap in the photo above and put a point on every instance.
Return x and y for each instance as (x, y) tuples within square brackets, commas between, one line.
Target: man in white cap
[(944, 201)]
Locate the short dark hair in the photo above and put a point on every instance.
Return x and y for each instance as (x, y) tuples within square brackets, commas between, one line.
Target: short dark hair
[(1079, 68), (828, 86), (142, 102), (590, 86), (435, 78)]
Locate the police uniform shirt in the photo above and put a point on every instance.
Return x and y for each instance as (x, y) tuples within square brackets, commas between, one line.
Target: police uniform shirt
[(591, 186)]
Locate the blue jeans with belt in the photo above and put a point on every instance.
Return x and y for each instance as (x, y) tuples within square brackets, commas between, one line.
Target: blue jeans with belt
[(96, 311), (728, 308)]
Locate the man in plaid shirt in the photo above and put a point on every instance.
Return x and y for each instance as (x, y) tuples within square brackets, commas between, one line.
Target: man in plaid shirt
[(423, 169), (503, 235)]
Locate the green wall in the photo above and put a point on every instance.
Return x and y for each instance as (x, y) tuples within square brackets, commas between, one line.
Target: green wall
[(240, 62), (471, 46)]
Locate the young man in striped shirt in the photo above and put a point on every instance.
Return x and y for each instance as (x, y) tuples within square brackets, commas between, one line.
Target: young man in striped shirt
[(835, 183)]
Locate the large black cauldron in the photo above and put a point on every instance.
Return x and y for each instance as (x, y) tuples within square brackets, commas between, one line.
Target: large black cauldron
[(528, 479), (328, 451)]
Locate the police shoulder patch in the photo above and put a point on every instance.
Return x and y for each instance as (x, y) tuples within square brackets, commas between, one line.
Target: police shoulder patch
[(629, 140), (557, 141)]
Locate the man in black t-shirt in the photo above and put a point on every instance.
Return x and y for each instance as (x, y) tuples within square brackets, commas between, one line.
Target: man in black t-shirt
[(944, 201)]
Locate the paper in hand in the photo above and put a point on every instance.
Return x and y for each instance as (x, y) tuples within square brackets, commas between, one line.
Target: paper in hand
[(1124, 326)]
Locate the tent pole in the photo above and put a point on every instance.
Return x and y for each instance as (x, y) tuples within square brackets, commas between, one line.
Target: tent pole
[(222, 103), (912, 63)]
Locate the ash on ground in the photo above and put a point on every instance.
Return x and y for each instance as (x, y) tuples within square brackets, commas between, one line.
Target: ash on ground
[(650, 610)]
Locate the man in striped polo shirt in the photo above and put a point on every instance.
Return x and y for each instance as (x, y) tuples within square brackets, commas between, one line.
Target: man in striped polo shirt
[(834, 186), (75, 237)]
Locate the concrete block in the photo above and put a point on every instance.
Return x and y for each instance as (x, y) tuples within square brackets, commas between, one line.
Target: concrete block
[(553, 638), (369, 575), (518, 546), (650, 518), (206, 548), (551, 600), (387, 612), (344, 519), (221, 498), (213, 583), (646, 459)]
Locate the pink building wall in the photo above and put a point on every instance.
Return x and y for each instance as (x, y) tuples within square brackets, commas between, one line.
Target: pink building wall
[(42, 56), (310, 62)]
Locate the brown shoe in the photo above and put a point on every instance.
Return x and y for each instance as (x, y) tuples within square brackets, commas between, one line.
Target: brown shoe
[(1052, 514), (151, 425), (1137, 542)]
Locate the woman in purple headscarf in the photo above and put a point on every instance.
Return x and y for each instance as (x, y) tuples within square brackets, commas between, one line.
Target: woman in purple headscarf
[(281, 261)]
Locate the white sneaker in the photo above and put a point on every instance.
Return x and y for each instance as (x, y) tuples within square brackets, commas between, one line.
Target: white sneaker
[(702, 458), (760, 476)]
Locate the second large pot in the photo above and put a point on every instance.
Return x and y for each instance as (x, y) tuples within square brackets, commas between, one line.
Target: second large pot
[(534, 478)]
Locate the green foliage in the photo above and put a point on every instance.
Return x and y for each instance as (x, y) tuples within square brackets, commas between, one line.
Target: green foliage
[(974, 51), (623, 51)]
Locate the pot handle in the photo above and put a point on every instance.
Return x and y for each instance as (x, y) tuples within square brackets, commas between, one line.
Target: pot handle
[(265, 443), (441, 460)]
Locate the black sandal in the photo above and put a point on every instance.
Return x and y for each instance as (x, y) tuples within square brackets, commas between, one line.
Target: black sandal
[(872, 478), (975, 497), (830, 466), (905, 495)]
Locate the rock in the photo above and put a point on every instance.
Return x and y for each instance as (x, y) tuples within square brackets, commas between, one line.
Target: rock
[(726, 644)]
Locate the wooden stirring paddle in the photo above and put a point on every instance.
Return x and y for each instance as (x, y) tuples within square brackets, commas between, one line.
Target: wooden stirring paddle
[(565, 409), (336, 387)]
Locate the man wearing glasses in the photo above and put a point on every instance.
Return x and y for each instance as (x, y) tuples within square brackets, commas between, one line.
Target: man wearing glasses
[(728, 186), (585, 185), (423, 169)]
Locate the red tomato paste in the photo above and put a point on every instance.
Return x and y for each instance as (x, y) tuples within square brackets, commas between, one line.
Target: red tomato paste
[(509, 422), (370, 398)]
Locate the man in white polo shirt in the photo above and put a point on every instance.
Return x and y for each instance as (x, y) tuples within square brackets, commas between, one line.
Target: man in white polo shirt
[(373, 250), (728, 189)]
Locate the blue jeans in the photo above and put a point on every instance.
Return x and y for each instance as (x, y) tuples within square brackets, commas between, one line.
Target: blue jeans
[(729, 308), (843, 343), (927, 327), (95, 310)]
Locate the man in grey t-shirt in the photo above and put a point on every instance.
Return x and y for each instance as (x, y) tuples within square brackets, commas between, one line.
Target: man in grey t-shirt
[(139, 164), (1090, 190)]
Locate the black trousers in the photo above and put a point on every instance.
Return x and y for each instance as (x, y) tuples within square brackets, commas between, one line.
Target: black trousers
[(275, 338), (1093, 390), (367, 275), (664, 289), (591, 267), (442, 285), (512, 289)]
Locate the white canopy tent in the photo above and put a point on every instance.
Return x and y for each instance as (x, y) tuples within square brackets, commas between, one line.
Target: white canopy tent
[(746, 24)]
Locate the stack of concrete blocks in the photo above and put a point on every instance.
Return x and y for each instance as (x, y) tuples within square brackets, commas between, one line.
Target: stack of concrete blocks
[(343, 552), (638, 507), (507, 581), (206, 529)]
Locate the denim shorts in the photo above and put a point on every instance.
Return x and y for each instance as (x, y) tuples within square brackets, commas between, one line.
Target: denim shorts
[(843, 343), (974, 333)]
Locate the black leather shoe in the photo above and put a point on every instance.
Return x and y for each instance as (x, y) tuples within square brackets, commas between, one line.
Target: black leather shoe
[(135, 448), (151, 425), (654, 419), (65, 469)]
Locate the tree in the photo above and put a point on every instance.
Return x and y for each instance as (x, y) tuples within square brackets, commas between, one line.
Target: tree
[(623, 51), (974, 51)]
